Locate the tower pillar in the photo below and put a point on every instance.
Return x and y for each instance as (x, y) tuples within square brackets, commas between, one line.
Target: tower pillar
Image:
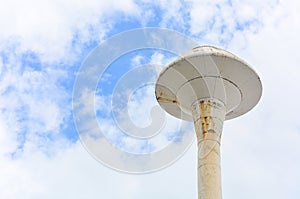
[(208, 116)]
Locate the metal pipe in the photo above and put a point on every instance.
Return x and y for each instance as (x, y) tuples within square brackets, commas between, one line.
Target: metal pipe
[(208, 116)]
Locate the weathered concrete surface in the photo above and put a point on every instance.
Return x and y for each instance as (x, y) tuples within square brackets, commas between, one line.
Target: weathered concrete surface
[(208, 115)]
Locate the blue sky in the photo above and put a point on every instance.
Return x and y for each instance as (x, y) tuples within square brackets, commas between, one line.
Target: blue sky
[(42, 47)]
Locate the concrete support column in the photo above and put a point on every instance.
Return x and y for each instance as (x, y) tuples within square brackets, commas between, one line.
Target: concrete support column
[(208, 115)]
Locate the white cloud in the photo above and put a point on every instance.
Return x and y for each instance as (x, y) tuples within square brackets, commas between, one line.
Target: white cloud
[(8, 140), (215, 22), (74, 174), (159, 61), (33, 103), (173, 14), (137, 60), (140, 103), (49, 27)]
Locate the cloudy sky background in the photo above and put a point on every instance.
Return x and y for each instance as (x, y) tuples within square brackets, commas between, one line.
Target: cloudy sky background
[(42, 45)]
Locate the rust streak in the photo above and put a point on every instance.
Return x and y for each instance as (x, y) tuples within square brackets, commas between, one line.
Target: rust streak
[(166, 100), (206, 120)]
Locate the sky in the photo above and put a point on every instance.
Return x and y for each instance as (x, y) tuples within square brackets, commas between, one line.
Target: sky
[(44, 49)]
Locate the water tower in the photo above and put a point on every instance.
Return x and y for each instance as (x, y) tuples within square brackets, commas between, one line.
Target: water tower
[(208, 85)]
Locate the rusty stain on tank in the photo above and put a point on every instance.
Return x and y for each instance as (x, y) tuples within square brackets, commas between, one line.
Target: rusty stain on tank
[(166, 100)]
